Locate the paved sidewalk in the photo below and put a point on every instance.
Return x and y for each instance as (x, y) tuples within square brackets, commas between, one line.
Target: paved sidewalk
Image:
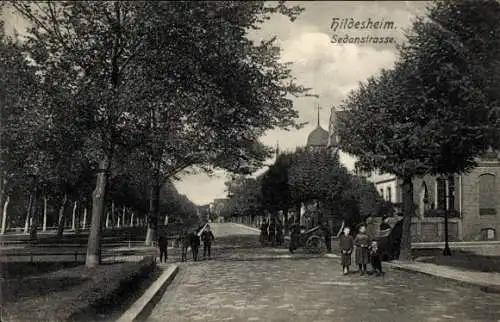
[(488, 281)]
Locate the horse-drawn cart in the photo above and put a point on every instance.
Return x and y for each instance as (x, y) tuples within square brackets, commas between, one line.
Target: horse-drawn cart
[(311, 240)]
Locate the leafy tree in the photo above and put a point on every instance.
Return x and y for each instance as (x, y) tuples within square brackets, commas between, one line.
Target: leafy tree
[(275, 187), (149, 72), (236, 82), (245, 197), (21, 118), (429, 114)]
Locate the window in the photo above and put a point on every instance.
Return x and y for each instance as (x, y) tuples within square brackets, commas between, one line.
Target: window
[(451, 193), (381, 192), (389, 194), (487, 195), (440, 193)]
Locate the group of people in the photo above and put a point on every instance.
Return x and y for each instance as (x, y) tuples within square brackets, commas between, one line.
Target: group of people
[(272, 232), (188, 239), (366, 251)]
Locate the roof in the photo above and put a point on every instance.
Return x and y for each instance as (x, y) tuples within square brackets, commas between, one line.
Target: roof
[(318, 137)]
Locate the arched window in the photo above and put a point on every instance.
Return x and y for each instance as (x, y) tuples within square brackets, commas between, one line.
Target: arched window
[(423, 199), (487, 194)]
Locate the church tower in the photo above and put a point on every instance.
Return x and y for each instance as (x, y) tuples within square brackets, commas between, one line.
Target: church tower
[(318, 138)]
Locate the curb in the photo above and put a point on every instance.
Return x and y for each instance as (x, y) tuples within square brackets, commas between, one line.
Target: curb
[(485, 287), (141, 309)]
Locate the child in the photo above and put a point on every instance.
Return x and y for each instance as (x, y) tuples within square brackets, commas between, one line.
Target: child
[(362, 242), (346, 246), (375, 258)]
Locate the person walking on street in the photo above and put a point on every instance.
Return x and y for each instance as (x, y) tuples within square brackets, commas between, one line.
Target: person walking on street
[(376, 258), (294, 236), (279, 233), (163, 246), (194, 242), (346, 244), (272, 232), (184, 243), (263, 232), (207, 237), (362, 243)]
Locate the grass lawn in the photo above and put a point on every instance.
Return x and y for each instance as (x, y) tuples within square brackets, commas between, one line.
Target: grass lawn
[(73, 293), (459, 259)]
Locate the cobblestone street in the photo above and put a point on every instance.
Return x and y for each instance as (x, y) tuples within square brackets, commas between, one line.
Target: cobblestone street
[(246, 283)]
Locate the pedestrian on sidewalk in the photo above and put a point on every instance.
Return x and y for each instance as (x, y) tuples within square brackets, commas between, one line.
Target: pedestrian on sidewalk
[(207, 237), (346, 246), (362, 243), (163, 247), (376, 258)]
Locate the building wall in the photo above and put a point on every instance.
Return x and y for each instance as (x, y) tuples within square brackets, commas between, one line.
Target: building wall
[(473, 221)]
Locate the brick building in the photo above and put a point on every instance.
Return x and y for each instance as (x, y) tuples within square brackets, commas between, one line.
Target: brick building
[(470, 199)]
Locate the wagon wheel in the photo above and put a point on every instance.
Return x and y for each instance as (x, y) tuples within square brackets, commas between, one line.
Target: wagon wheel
[(313, 244)]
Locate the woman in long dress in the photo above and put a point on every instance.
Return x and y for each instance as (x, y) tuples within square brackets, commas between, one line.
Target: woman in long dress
[(362, 243)]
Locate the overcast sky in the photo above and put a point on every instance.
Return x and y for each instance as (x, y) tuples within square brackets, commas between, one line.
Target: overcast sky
[(331, 70)]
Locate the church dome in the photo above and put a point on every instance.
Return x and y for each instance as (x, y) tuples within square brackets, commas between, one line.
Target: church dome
[(318, 137)]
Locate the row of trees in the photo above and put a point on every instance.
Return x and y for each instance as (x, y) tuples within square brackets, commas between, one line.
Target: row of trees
[(303, 177), (437, 109), (110, 100)]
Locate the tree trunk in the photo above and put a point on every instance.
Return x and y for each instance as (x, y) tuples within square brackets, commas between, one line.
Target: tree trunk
[(62, 218), (132, 219), (73, 218), (94, 244), (112, 216), (33, 214), (28, 213), (153, 214), (408, 209), (107, 220), (84, 218), (4, 214), (118, 222), (123, 216), (44, 225)]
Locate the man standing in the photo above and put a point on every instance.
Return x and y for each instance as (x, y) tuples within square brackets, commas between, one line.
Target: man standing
[(328, 236), (163, 246), (208, 237), (272, 231), (294, 236), (194, 242)]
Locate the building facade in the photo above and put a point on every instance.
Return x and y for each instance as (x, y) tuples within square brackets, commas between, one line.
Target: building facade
[(470, 199)]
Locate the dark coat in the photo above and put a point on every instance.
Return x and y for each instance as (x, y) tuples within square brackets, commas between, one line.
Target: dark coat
[(346, 243), (194, 240), (162, 241), (207, 237)]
